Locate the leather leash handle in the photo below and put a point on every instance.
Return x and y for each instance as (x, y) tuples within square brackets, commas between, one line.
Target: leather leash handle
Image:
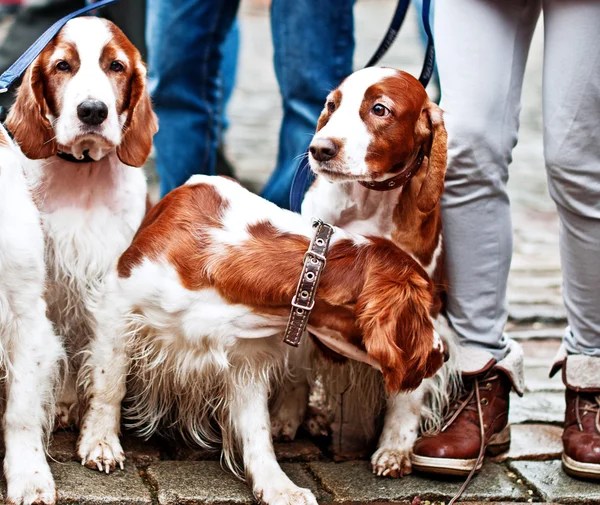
[(18, 67), (304, 299)]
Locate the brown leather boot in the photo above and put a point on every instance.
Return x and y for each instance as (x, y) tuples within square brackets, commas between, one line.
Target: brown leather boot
[(477, 421), (581, 435), (481, 408)]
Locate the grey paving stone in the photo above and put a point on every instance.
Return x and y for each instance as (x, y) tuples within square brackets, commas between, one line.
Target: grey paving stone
[(137, 451), (536, 379), (82, 486), (554, 485), (538, 407), (191, 482), (530, 332), (187, 482), (354, 482), (523, 314), (533, 442)]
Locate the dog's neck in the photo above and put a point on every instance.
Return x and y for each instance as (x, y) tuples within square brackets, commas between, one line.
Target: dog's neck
[(59, 183)]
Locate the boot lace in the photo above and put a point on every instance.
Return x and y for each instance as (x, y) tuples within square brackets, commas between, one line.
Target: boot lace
[(588, 407), (471, 401)]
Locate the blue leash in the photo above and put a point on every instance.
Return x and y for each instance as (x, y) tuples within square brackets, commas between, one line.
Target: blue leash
[(304, 176), (18, 67)]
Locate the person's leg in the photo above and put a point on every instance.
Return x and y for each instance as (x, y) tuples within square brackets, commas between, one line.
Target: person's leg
[(482, 49), (314, 46), (184, 40), (571, 98)]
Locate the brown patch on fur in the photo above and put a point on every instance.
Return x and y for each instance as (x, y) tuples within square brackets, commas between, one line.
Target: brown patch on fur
[(130, 87), (38, 96), (373, 294)]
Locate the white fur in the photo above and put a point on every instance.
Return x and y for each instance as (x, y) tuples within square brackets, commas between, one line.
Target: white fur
[(346, 124), (30, 352), (89, 211), (89, 36), (192, 357), (357, 209)]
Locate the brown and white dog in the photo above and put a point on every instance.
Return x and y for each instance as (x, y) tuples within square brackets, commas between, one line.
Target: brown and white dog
[(83, 121), (195, 311), (380, 155)]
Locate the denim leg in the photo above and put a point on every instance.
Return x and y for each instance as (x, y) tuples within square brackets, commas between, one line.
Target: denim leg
[(314, 46), (230, 50), (184, 54)]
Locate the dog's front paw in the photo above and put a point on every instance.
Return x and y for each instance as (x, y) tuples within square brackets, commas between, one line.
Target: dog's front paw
[(393, 463), (287, 495), (30, 483), (103, 452)]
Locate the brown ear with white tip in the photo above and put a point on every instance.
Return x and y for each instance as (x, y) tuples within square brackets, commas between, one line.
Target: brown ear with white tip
[(433, 185)]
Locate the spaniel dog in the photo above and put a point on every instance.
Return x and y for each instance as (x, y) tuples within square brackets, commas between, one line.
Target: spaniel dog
[(30, 352), (195, 310), (84, 122), (379, 153)]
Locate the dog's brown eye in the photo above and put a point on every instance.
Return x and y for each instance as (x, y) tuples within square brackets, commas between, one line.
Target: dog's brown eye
[(116, 66), (330, 106), (63, 66), (380, 110)]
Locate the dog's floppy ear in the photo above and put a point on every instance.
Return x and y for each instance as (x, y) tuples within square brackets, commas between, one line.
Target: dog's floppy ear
[(433, 184), (393, 314), (141, 123), (27, 119)]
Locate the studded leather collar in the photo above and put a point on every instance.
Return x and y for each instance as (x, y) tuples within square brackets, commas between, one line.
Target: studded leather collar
[(304, 299), (397, 181)]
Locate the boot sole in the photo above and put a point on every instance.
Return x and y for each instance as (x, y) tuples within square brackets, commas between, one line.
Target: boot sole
[(579, 469), (498, 443)]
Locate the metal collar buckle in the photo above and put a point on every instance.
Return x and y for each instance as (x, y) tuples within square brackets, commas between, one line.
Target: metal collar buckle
[(303, 301)]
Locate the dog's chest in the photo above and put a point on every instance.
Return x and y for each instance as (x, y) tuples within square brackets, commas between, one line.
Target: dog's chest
[(352, 207)]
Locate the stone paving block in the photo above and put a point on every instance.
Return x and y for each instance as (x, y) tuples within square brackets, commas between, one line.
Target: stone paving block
[(538, 407), (298, 450), (181, 451), (354, 482), (533, 333), (191, 482), (536, 379), (188, 482), (137, 451), (549, 480), (533, 442), (82, 486), (530, 313), (540, 352)]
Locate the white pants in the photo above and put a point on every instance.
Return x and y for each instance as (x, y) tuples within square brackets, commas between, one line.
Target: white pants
[(482, 48)]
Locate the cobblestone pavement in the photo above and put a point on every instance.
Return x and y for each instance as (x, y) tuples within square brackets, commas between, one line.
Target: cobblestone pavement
[(168, 473)]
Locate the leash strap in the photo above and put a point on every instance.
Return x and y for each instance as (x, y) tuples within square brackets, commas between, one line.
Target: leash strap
[(18, 67), (304, 176), (306, 292), (429, 62)]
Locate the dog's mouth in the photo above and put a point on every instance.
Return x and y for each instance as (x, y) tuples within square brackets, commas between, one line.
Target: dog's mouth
[(93, 144), (332, 171)]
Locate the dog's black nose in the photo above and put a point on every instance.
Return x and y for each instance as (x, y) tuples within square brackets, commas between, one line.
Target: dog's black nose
[(92, 112), (323, 149)]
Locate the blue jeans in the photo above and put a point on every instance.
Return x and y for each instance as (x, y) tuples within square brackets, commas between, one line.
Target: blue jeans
[(314, 47), (185, 39)]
